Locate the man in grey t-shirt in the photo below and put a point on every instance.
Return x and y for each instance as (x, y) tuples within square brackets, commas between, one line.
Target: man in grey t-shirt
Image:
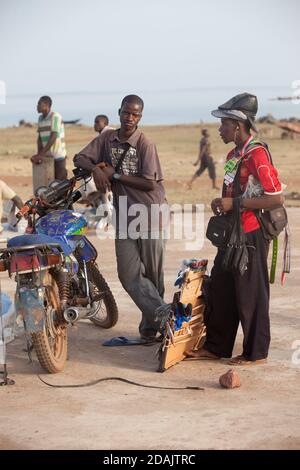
[(134, 174)]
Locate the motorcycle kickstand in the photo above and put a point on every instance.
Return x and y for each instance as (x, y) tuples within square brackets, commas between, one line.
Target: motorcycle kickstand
[(6, 380)]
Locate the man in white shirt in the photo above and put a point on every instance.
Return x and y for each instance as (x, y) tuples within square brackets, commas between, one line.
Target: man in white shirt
[(51, 138)]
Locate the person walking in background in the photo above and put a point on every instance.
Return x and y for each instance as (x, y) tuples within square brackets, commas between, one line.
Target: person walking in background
[(51, 138), (206, 161), (6, 193)]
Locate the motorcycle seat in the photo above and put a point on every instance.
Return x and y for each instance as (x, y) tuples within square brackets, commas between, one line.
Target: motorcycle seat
[(38, 239)]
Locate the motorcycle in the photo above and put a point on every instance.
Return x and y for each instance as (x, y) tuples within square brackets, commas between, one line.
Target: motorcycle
[(54, 265)]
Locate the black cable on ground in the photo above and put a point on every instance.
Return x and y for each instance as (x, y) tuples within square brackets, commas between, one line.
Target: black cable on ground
[(120, 379), (95, 382)]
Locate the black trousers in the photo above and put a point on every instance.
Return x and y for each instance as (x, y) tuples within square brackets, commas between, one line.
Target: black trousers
[(207, 162), (60, 170), (233, 298)]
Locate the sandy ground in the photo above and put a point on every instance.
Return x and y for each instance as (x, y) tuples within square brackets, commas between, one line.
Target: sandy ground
[(177, 148), (262, 414)]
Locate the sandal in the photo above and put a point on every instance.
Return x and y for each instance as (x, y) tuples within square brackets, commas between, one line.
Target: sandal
[(242, 361), (205, 356)]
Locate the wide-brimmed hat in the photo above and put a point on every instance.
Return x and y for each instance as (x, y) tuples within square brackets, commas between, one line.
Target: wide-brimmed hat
[(242, 107)]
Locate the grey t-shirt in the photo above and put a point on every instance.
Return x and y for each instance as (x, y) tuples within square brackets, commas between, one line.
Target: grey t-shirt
[(140, 160)]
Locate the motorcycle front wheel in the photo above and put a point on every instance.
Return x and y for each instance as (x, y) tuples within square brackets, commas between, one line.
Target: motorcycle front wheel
[(106, 309), (51, 344)]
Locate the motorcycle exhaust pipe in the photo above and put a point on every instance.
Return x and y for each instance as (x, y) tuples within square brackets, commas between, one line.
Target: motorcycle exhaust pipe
[(71, 314)]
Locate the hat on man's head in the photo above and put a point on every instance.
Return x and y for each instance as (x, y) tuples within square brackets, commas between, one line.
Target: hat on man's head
[(242, 107)]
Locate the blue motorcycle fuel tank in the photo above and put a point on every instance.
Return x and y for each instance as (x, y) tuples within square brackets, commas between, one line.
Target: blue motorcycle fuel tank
[(64, 222), (70, 227)]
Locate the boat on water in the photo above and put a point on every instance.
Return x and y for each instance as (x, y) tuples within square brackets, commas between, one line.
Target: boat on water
[(74, 121)]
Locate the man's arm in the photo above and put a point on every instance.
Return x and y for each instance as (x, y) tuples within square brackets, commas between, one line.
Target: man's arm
[(138, 182), (84, 162), (39, 144), (266, 174), (17, 201), (51, 141), (263, 202), (88, 158), (103, 177), (225, 204), (43, 150)]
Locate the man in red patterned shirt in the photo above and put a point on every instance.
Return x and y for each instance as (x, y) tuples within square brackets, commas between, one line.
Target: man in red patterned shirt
[(233, 297)]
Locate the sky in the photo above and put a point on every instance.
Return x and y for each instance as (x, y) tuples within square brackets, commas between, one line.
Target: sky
[(136, 45)]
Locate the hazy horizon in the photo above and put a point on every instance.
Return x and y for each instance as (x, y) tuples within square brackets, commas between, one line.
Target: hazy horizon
[(166, 107), (183, 58), (70, 46), (165, 90)]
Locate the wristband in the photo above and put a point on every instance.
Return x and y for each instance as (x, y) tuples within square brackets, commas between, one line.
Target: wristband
[(116, 176)]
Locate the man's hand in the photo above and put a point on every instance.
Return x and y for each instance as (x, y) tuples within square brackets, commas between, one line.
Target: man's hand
[(222, 205), (109, 171), (215, 206), (101, 180), (36, 159)]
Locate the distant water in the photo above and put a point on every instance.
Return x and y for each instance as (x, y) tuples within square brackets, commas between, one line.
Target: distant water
[(182, 106)]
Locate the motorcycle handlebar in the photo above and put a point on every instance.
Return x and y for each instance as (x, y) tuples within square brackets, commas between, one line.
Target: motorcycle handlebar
[(51, 194), (80, 173), (25, 209)]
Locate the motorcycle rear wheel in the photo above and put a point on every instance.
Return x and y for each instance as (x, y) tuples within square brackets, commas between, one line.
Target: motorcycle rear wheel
[(107, 314), (51, 344)]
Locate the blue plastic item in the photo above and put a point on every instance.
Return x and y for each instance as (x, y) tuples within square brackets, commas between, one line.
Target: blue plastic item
[(6, 303), (123, 341)]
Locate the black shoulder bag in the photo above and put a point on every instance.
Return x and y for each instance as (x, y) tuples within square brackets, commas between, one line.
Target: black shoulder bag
[(219, 227), (272, 221), (218, 230), (236, 253), (226, 232)]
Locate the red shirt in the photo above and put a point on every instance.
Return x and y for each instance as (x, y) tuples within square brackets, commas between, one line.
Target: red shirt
[(255, 162)]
